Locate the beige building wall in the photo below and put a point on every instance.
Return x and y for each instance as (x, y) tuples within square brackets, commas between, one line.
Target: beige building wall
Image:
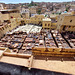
[(53, 25), (26, 15), (37, 19), (69, 20), (60, 21), (9, 26), (13, 20), (66, 23), (7, 15), (18, 21), (32, 10), (27, 21), (46, 24), (3, 29), (4, 17), (73, 13), (14, 15)]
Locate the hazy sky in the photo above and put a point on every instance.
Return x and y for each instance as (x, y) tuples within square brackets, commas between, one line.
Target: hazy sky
[(28, 1)]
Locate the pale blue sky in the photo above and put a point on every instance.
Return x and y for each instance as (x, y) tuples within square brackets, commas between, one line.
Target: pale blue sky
[(28, 1)]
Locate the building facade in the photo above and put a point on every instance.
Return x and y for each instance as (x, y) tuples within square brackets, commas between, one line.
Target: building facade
[(46, 23), (66, 23), (8, 14), (37, 19)]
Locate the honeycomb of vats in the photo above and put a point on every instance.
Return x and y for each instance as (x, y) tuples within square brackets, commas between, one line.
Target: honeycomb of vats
[(49, 42)]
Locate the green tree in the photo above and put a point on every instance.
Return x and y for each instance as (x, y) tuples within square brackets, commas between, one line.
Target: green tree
[(35, 4), (67, 9), (39, 11), (32, 3), (60, 13), (45, 15)]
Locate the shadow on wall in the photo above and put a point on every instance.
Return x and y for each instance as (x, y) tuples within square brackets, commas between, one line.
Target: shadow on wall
[(9, 69)]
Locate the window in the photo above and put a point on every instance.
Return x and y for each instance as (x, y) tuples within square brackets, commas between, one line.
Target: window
[(64, 27), (69, 26), (11, 16), (45, 24), (3, 28), (10, 25), (48, 24), (70, 20)]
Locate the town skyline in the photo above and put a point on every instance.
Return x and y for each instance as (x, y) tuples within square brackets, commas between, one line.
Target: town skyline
[(28, 1)]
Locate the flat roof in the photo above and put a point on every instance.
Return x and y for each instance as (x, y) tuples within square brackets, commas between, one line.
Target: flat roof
[(9, 10)]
